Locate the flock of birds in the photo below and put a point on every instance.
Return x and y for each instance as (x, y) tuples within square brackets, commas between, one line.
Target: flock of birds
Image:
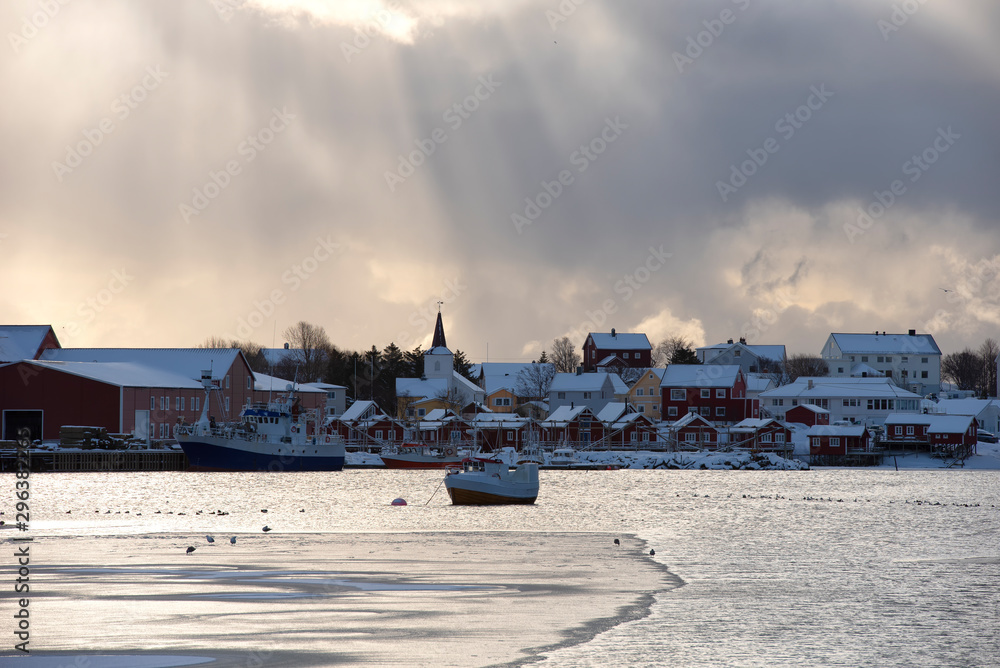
[(652, 552)]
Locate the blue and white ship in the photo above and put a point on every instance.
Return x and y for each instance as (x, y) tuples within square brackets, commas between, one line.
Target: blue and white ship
[(270, 436)]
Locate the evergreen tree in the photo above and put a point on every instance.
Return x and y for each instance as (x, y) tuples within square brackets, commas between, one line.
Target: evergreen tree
[(463, 365)]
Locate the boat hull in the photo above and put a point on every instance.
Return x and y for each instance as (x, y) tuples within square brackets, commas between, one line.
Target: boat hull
[(474, 497), (493, 484), (213, 453), (419, 461)]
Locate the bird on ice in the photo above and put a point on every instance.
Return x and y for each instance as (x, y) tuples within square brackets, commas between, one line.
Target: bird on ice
[(210, 539), (190, 549), (266, 528), (617, 542), (232, 541), (652, 552)]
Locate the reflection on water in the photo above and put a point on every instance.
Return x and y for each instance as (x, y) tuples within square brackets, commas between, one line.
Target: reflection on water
[(831, 568)]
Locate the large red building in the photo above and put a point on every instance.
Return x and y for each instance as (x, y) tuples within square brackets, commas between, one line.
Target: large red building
[(717, 392), (634, 350)]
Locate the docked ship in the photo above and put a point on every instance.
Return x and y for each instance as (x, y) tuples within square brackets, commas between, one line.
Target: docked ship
[(269, 436), (422, 456), (483, 482)]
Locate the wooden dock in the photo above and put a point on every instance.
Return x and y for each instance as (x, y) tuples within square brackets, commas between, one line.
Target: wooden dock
[(42, 461)]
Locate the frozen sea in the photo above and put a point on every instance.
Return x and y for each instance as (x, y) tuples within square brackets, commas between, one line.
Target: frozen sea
[(847, 567)]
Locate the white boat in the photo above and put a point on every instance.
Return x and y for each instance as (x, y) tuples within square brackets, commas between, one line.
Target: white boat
[(422, 456), (563, 457), (483, 482)]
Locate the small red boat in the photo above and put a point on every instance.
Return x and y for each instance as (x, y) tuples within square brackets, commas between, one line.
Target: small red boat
[(422, 456)]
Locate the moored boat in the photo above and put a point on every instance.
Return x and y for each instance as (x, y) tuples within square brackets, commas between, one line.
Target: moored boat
[(270, 436), (480, 482), (422, 456)]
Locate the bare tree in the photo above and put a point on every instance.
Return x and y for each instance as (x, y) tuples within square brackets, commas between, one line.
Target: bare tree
[(452, 399), (564, 355), (309, 349), (533, 381), (965, 369), (805, 365), (988, 353), (775, 370), (253, 352), (674, 348), (630, 375)]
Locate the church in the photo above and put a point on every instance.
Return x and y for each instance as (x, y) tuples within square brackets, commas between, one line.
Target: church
[(440, 386)]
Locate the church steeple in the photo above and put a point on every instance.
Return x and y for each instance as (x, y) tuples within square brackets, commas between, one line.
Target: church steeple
[(439, 332)]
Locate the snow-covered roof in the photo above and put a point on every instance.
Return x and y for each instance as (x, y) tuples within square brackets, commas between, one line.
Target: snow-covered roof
[(360, 410), (499, 420), (758, 382), (21, 342), (764, 351), (620, 341), (700, 375), (688, 418), (839, 387), (189, 362), (503, 375), (836, 430), (587, 382), (748, 424), (965, 406), (899, 344), (811, 407), (122, 374), (612, 411), (861, 369), (609, 359), (907, 418), (416, 387), (264, 383), (562, 415), (950, 424)]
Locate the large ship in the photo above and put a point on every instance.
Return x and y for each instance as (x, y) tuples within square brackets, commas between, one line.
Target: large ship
[(269, 436)]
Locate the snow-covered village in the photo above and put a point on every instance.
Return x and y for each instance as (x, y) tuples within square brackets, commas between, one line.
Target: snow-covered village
[(866, 399)]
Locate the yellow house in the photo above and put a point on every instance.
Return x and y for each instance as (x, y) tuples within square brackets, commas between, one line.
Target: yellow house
[(502, 400), (644, 394)]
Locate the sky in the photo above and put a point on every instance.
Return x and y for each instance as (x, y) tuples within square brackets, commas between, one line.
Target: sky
[(178, 169)]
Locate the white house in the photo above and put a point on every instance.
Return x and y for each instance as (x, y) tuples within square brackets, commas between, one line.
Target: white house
[(593, 390), (751, 358), (865, 401), (912, 360)]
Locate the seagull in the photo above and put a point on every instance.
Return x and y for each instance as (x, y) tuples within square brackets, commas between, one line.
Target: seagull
[(210, 539), (946, 289), (617, 542), (190, 549), (652, 552), (266, 528), (263, 510), (232, 541)]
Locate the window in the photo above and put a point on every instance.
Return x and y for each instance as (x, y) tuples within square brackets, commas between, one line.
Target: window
[(249, 383), (501, 401), (923, 374), (888, 373), (196, 403), (227, 381), (737, 353), (706, 411), (586, 395), (678, 395), (923, 360), (624, 356), (834, 441), (378, 434), (332, 394), (880, 404), (421, 412), (672, 411), (227, 404), (164, 403), (879, 359), (840, 369), (720, 393), (851, 402), (899, 430), (905, 373), (765, 438), (904, 358), (888, 359), (909, 430), (510, 436), (177, 403), (706, 394), (815, 441), (437, 366), (779, 437), (720, 411), (642, 408), (645, 436), (852, 358), (795, 402), (560, 395), (632, 437), (182, 403), (152, 403), (777, 402), (639, 392), (656, 407), (690, 437), (864, 358)]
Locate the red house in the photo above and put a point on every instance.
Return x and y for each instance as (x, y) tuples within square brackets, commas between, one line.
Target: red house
[(907, 429), (634, 350), (717, 392), (953, 435), (626, 428), (365, 425), (25, 342), (694, 431), (808, 415), (832, 441), (493, 431), (761, 434), (569, 424)]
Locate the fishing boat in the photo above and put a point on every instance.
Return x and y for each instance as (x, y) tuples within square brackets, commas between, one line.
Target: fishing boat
[(563, 457), (269, 436), (491, 481), (422, 456)]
